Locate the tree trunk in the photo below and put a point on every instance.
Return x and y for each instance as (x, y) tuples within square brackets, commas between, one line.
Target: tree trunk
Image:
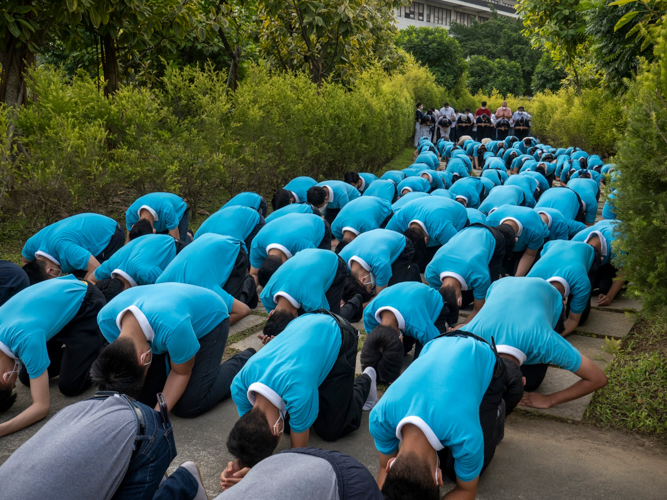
[(577, 83), (109, 65), (15, 61)]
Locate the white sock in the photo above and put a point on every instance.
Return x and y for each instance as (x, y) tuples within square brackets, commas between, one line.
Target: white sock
[(373, 393)]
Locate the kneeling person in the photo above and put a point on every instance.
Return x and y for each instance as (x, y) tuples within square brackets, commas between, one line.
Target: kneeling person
[(188, 322)]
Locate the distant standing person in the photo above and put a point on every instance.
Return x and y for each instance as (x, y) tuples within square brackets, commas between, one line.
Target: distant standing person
[(418, 120), (521, 123), (464, 123), (483, 110), (449, 113), (503, 112)]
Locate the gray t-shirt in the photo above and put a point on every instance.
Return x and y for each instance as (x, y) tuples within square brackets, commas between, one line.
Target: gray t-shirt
[(288, 476), (82, 453)]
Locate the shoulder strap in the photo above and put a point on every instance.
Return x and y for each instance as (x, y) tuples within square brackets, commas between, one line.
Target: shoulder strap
[(342, 323), (500, 366)]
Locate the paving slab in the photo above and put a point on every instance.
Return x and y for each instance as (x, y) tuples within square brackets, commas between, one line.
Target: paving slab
[(621, 303), (591, 347), (250, 341), (607, 324), (359, 325), (260, 308), (556, 380), (246, 323)]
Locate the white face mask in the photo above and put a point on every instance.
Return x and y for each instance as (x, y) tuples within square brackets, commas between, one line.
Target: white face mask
[(277, 432), (323, 208), (504, 107)]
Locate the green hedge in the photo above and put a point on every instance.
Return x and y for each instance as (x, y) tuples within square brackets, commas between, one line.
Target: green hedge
[(74, 150)]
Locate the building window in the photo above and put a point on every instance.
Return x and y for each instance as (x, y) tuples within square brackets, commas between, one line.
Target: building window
[(482, 19), (420, 11), (448, 17), (462, 18), (429, 13), (409, 11), (435, 15)]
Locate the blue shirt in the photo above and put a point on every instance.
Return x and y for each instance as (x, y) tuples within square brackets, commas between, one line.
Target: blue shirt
[(237, 222), (570, 261), (433, 178), (604, 229), (609, 211), (502, 195), (457, 167), (290, 369), (532, 230), (72, 241), (415, 305), (290, 234), (444, 193), (173, 316), (37, 314), (361, 215), (470, 189), (430, 158), (292, 208), (300, 186), (376, 251), (542, 182), (245, 199), (465, 257), (475, 216), (414, 184), (440, 392), (404, 200), (526, 329), (343, 193), (563, 199), (382, 188), (440, 217), (141, 261), (366, 180), (498, 177), (395, 176), (206, 262), (587, 190), (314, 266), (527, 184), (167, 210)]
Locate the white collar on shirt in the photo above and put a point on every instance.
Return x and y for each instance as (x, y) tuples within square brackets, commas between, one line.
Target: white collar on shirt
[(141, 319)]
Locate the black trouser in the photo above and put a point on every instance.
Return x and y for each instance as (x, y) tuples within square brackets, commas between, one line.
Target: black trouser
[(584, 314), (521, 133), (335, 292), (73, 349), (115, 243), (492, 420), (234, 284), (534, 375), (550, 179), (263, 206), (581, 210), (325, 244), (210, 382), (502, 134), (253, 233), (403, 269), (605, 278), (330, 214), (386, 221), (183, 226), (428, 256), (341, 396)]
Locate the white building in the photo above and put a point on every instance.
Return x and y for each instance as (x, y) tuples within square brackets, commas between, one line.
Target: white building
[(431, 13)]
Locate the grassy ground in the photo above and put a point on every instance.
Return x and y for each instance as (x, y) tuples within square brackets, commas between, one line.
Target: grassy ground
[(403, 160), (636, 397)]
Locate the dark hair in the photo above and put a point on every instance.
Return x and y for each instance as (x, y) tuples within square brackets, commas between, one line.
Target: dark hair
[(316, 195), (448, 294), (110, 287), (446, 104), (277, 322), (383, 350), (281, 198), (585, 174), (484, 103), (410, 479), (583, 162), (36, 271), (540, 169), (142, 227), (513, 385), (419, 104), (117, 369), (509, 234), (269, 266), (342, 244), (417, 236), (251, 439), (7, 398), (352, 287), (351, 178)]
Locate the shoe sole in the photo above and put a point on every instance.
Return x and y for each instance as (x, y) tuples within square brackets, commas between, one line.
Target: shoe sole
[(201, 480)]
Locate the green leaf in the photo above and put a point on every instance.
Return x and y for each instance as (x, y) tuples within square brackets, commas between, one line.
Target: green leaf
[(625, 19), (13, 29), (622, 2), (23, 9), (95, 18), (201, 34), (26, 24)]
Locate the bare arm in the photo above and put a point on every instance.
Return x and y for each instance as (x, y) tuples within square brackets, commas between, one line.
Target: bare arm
[(254, 272), (464, 490), (39, 390), (300, 439), (605, 300), (477, 306), (177, 381), (526, 262), (592, 379), (90, 269), (571, 323), (175, 233), (238, 312), (382, 473)]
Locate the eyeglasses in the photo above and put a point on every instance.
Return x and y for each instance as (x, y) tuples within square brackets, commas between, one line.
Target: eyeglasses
[(6, 376), (147, 353)]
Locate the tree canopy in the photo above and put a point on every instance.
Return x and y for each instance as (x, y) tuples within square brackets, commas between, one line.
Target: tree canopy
[(486, 75)]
